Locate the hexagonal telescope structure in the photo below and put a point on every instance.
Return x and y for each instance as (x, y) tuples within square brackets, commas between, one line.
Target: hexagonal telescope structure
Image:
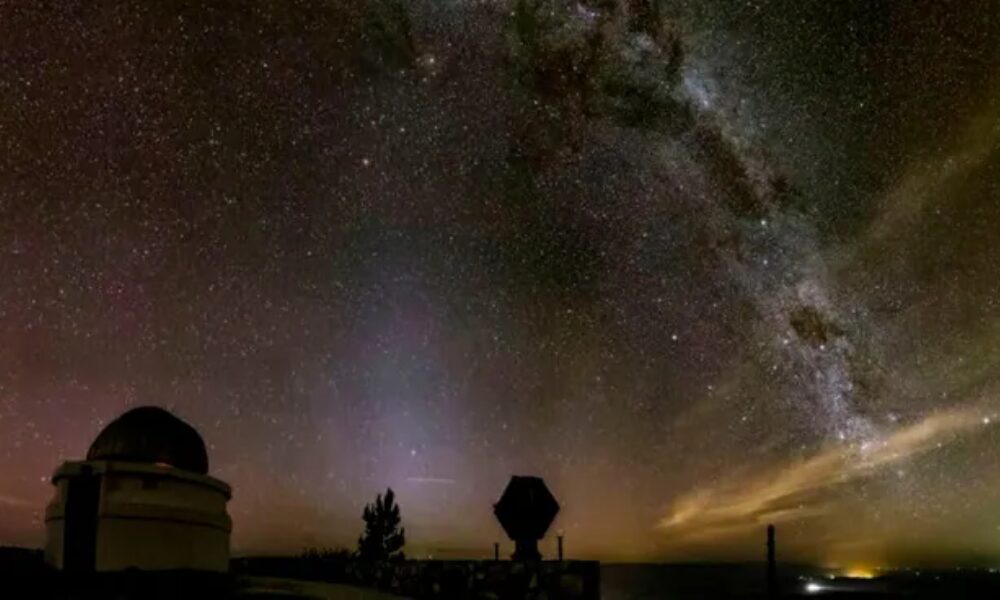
[(525, 511)]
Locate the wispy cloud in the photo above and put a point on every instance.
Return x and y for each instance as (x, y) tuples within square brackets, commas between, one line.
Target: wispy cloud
[(439, 480), (15, 502), (796, 490), (934, 179)]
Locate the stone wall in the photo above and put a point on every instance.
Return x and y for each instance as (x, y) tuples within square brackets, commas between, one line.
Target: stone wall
[(444, 579), (552, 580)]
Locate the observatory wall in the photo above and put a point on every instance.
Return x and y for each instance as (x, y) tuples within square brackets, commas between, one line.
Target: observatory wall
[(150, 517)]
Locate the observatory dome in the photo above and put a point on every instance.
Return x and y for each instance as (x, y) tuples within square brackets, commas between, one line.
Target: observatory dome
[(148, 434)]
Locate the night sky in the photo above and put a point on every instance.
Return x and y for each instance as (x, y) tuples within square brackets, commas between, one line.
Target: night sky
[(701, 265)]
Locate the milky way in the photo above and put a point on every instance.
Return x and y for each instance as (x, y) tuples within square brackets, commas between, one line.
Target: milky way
[(700, 265)]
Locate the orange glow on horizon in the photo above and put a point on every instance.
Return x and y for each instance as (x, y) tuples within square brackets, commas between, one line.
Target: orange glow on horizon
[(861, 572)]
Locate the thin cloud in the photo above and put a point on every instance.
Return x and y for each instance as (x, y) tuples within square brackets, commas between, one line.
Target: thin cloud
[(15, 502), (794, 490), (438, 480)]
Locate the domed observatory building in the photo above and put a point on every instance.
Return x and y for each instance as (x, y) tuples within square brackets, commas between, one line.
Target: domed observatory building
[(142, 499)]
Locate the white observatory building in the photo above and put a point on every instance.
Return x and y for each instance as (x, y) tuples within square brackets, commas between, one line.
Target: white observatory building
[(142, 499)]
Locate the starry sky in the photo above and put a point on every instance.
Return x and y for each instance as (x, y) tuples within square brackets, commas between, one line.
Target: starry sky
[(702, 266)]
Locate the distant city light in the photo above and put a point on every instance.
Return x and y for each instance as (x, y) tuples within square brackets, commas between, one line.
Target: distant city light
[(860, 573)]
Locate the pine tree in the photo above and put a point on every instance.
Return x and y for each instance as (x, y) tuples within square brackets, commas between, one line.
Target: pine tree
[(383, 538)]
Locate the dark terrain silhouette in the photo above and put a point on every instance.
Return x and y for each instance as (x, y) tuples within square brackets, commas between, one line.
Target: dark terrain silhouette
[(384, 536)]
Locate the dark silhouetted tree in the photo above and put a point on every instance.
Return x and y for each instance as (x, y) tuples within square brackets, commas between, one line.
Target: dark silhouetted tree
[(383, 538)]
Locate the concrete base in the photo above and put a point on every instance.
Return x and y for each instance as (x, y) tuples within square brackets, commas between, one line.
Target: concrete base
[(136, 516)]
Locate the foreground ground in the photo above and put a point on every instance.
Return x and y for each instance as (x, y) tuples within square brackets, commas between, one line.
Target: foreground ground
[(273, 587)]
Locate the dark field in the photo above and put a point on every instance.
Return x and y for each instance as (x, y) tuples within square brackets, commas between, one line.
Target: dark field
[(670, 582), (28, 578)]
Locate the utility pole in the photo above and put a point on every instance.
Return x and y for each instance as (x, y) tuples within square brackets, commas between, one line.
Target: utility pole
[(772, 565)]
